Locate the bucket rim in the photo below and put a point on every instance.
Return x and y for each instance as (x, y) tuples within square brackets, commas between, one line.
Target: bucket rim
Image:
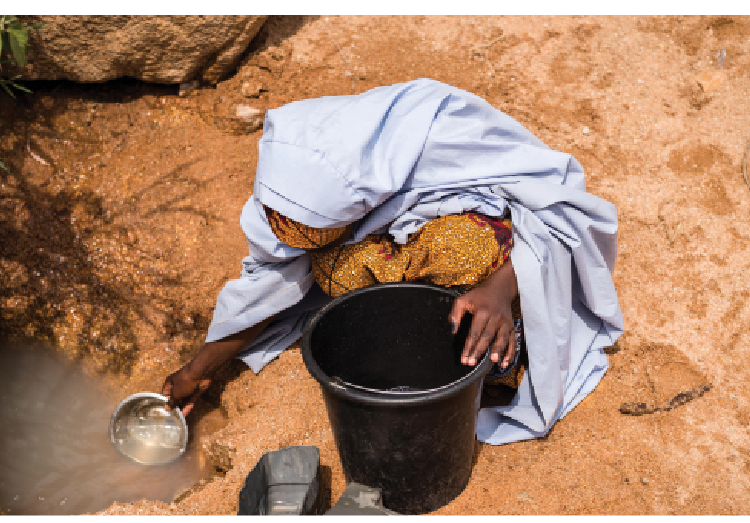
[(332, 386)]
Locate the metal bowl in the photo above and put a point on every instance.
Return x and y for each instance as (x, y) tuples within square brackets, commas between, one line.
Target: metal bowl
[(143, 430)]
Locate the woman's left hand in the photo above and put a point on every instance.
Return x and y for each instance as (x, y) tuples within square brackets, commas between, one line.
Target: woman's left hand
[(490, 304)]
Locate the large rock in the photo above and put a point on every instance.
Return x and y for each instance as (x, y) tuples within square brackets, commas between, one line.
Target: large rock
[(161, 49)]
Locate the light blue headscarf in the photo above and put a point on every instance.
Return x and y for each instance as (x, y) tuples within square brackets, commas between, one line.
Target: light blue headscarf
[(395, 157)]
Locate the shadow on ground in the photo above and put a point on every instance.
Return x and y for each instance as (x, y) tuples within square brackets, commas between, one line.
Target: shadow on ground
[(75, 273)]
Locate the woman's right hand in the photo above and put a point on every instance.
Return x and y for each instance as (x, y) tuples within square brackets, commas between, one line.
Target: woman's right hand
[(183, 389)]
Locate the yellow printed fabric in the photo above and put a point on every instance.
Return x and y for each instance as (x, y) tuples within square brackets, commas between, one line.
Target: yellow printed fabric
[(296, 234), (451, 250)]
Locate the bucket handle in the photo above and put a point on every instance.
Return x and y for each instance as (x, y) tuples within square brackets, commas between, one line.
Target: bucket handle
[(396, 391)]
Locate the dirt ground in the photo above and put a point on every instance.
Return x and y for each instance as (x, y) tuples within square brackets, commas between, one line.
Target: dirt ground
[(120, 224)]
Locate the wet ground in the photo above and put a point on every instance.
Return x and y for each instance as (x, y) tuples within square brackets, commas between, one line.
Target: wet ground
[(120, 224)]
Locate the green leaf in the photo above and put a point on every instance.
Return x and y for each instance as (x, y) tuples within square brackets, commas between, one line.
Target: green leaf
[(39, 25), (2, 165), (8, 90), (5, 38), (21, 88), (19, 40)]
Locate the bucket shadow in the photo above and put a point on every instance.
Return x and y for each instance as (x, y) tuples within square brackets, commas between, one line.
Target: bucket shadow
[(478, 447), (326, 480), (496, 396)]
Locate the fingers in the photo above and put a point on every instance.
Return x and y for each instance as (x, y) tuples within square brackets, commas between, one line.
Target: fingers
[(505, 344), (486, 325), (176, 388), (511, 352), (189, 405), (482, 331), (200, 389), (166, 390), (460, 307)]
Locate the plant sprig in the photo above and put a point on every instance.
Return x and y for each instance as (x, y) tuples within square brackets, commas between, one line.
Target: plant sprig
[(14, 40), (15, 36)]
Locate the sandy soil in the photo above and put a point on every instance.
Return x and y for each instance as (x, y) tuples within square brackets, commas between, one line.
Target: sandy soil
[(120, 223)]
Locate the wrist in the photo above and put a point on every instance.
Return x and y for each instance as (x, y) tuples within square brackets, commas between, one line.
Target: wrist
[(204, 363), (504, 280), (194, 370)]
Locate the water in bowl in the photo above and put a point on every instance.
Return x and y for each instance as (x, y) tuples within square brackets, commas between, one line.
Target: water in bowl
[(149, 433)]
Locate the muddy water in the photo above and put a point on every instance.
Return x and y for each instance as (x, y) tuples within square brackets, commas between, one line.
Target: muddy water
[(55, 453)]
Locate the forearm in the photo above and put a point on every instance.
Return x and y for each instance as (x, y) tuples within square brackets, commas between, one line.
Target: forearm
[(503, 280), (214, 354)]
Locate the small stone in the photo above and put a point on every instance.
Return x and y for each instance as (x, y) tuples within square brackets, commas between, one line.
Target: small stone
[(277, 53), (186, 87), (585, 130), (644, 480), (252, 90), (245, 112), (710, 81), (252, 117), (524, 496)]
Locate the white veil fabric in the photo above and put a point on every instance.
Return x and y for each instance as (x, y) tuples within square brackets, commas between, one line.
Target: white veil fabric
[(395, 157)]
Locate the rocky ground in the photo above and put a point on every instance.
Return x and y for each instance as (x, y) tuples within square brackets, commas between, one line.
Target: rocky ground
[(120, 224)]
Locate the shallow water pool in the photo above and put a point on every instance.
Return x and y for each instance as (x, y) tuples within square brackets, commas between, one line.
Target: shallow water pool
[(55, 453)]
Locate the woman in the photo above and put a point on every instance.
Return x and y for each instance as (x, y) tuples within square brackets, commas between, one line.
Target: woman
[(390, 164)]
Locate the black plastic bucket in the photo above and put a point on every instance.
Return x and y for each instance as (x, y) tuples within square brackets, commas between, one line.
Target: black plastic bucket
[(402, 407)]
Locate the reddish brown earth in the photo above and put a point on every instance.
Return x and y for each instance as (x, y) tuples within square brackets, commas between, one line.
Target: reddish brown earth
[(120, 224)]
